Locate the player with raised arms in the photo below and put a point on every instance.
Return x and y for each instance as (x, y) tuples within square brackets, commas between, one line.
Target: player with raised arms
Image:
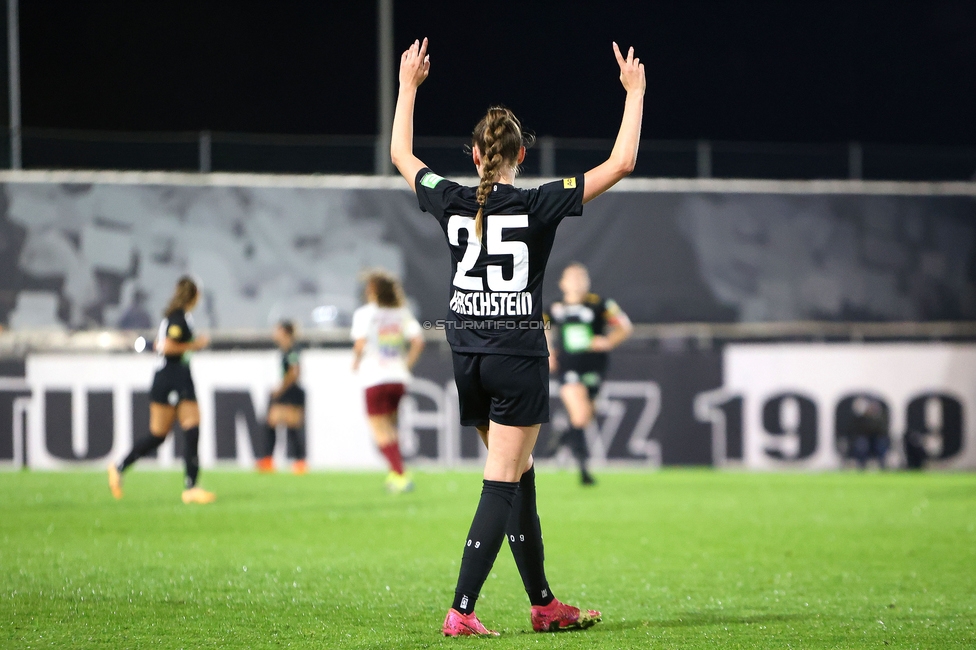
[(500, 237), (586, 328), (172, 395)]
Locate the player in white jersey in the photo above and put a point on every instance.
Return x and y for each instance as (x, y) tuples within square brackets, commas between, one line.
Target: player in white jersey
[(388, 342)]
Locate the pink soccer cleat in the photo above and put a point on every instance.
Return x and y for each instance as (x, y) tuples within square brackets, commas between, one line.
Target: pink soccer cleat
[(556, 616), (458, 624)]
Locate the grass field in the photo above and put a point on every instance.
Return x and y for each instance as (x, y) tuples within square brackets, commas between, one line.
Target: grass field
[(675, 559)]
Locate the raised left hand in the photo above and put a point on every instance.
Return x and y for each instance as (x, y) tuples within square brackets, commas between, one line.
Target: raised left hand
[(414, 65)]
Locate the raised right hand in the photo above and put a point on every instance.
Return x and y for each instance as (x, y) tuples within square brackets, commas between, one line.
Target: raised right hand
[(414, 65), (631, 71)]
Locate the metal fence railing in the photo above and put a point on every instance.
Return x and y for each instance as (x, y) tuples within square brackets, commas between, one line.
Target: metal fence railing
[(322, 154)]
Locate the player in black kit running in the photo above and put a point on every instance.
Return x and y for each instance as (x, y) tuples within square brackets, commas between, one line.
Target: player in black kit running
[(583, 329), (172, 394), (500, 238)]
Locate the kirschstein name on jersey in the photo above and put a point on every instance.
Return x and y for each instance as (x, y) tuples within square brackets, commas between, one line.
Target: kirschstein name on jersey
[(492, 303)]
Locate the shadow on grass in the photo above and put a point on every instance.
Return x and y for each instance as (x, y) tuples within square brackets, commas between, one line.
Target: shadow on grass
[(702, 619), (692, 619)]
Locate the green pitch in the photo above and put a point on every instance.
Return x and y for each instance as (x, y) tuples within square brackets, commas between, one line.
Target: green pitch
[(674, 559)]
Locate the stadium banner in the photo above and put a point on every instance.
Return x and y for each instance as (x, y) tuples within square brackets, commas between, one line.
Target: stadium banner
[(782, 405), (764, 406), (82, 410), (82, 255)]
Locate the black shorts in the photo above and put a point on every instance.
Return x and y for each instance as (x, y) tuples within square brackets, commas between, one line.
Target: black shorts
[(172, 385), (502, 388), (294, 395), (592, 380)]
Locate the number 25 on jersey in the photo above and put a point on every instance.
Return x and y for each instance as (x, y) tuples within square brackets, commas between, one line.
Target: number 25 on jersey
[(519, 251)]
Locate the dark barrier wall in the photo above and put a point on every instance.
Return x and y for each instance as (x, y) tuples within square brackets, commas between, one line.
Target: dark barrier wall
[(101, 254), (649, 395)]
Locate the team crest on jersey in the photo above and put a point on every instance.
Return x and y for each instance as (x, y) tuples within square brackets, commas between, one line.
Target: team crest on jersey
[(174, 332), (569, 183), (430, 180)]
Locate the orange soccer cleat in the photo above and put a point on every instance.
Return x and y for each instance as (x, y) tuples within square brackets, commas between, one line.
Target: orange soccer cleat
[(299, 468), (115, 481), (198, 495), (265, 465)]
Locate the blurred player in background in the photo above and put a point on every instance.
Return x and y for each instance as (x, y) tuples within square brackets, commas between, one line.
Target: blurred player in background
[(287, 407), (583, 329), (172, 395), (388, 342), (868, 432), (500, 238)]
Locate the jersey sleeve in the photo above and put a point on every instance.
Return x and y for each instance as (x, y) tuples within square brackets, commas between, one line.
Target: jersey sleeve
[(411, 328), (612, 313), (553, 201), (434, 193), (360, 324), (177, 328), (292, 359)]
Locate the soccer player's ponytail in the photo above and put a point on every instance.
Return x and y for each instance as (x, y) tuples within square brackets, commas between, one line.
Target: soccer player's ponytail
[(186, 293), (499, 138)]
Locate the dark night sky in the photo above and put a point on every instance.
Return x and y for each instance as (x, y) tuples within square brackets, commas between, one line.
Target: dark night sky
[(898, 72)]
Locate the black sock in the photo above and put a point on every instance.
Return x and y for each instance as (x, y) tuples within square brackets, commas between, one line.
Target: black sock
[(191, 457), (140, 449), (272, 435), (296, 443), (576, 441), (525, 539), (483, 541)]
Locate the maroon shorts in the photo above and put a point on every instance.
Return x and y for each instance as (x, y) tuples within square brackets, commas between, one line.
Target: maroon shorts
[(384, 399)]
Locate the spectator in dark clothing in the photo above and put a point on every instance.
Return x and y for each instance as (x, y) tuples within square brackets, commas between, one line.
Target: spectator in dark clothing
[(869, 432), (136, 317)]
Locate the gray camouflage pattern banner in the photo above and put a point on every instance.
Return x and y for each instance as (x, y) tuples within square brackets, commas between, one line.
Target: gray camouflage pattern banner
[(75, 256)]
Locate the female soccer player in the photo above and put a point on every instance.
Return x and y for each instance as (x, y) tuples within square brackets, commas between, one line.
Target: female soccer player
[(172, 394), (500, 237), (587, 328), (388, 342), (287, 404)]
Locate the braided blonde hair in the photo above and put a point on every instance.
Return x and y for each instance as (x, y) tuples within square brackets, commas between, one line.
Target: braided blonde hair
[(499, 138)]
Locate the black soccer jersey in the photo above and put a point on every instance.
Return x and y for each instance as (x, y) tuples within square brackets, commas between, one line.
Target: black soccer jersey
[(575, 326), (176, 327), (495, 303), (289, 358)]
